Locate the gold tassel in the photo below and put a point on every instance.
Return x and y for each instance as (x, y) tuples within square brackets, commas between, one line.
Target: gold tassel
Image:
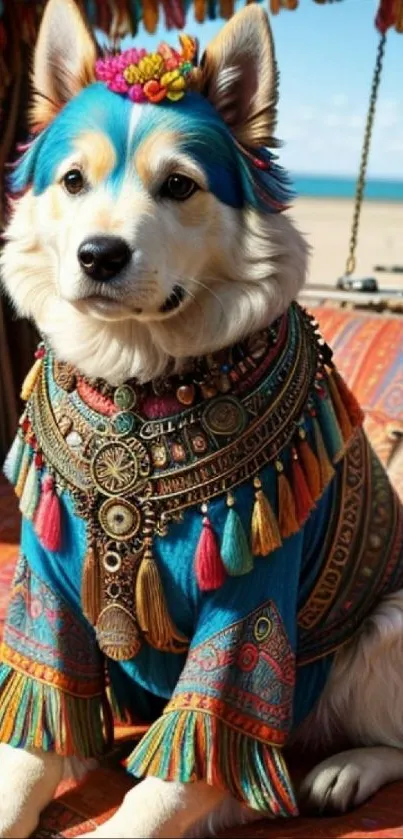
[(343, 418), (325, 466), (23, 473), (151, 608), (310, 465), (265, 532), (31, 379), (287, 516), (91, 586)]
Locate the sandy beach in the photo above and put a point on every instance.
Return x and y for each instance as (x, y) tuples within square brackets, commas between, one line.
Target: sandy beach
[(326, 224)]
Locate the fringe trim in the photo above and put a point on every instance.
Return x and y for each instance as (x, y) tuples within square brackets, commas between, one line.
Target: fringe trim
[(191, 745), (35, 715)]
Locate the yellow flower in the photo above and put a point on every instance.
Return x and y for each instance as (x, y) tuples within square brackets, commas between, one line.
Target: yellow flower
[(175, 84), (151, 67), (131, 74)]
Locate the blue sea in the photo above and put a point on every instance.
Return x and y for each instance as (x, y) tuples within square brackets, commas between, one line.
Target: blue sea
[(322, 186)]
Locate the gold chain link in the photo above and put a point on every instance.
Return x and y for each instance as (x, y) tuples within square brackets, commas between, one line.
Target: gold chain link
[(359, 194)]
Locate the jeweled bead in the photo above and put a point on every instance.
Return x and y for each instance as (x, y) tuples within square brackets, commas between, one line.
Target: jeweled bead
[(185, 394)]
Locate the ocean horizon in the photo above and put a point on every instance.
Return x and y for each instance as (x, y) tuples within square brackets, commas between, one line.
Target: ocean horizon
[(333, 186)]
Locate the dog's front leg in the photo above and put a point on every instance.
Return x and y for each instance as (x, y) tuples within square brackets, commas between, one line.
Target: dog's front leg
[(156, 809), (28, 782)]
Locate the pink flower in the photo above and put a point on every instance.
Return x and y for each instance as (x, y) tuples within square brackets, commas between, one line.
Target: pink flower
[(118, 84), (136, 93)]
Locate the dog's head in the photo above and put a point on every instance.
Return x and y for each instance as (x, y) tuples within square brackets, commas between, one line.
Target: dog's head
[(151, 232)]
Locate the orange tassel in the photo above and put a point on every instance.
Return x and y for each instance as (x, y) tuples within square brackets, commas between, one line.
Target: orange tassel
[(48, 517), (303, 499), (150, 15), (209, 567), (226, 8), (287, 515), (310, 465), (354, 410), (325, 466), (200, 10), (340, 410), (265, 531)]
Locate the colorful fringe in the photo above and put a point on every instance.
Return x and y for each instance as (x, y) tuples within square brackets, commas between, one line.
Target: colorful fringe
[(37, 715), (192, 745)]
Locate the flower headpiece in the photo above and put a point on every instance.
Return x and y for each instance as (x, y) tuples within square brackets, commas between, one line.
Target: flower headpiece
[(150, 77)]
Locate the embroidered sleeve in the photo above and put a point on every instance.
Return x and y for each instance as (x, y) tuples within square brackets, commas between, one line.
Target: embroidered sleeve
[(52, 693), (230, 715)]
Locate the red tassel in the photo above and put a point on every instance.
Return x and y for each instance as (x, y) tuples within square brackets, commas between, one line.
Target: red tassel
[(48, 517), (302, 496), (209, 567), (355, 412)]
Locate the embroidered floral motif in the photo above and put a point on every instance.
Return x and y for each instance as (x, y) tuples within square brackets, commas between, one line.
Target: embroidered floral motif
[(244, 675)]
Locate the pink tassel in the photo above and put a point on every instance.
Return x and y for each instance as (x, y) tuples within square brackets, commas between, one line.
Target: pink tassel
[(48, 517), (209, 567)]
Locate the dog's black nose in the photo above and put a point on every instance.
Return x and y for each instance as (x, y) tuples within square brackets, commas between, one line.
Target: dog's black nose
[(103, 257)]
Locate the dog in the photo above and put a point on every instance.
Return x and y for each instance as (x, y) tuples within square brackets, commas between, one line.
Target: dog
[(147, 232)]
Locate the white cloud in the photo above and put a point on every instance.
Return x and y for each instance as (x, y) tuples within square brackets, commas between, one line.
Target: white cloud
[(339, 100), (355, 121), (332, 120), (329, 140), (305, 113)]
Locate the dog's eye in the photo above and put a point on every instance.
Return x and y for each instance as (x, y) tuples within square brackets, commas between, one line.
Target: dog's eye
[(73, 181), (178, 187)]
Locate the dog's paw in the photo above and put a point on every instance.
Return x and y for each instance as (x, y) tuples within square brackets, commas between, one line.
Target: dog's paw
[(346, 780)]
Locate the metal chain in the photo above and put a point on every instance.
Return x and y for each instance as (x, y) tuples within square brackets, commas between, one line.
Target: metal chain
[(359, 194)]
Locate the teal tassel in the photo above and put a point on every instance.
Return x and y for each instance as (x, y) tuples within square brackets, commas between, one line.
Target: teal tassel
[(31, 493), (330, 429), (235, 551), (13, 460)]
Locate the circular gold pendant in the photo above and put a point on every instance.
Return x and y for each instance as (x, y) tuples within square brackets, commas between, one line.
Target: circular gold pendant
[(114, 468), (225, 416), (119, 519)]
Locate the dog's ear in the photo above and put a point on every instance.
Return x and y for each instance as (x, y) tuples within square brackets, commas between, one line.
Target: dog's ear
[(238, 74), (64, 60)]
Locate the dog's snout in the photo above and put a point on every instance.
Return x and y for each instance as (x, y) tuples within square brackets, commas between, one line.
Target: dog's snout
[(103, 257)]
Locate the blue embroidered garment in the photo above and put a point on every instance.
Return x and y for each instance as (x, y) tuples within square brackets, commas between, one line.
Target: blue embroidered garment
[(212, 540)]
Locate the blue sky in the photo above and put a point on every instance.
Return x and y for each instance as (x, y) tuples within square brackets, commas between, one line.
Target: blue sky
[(326, 55)]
